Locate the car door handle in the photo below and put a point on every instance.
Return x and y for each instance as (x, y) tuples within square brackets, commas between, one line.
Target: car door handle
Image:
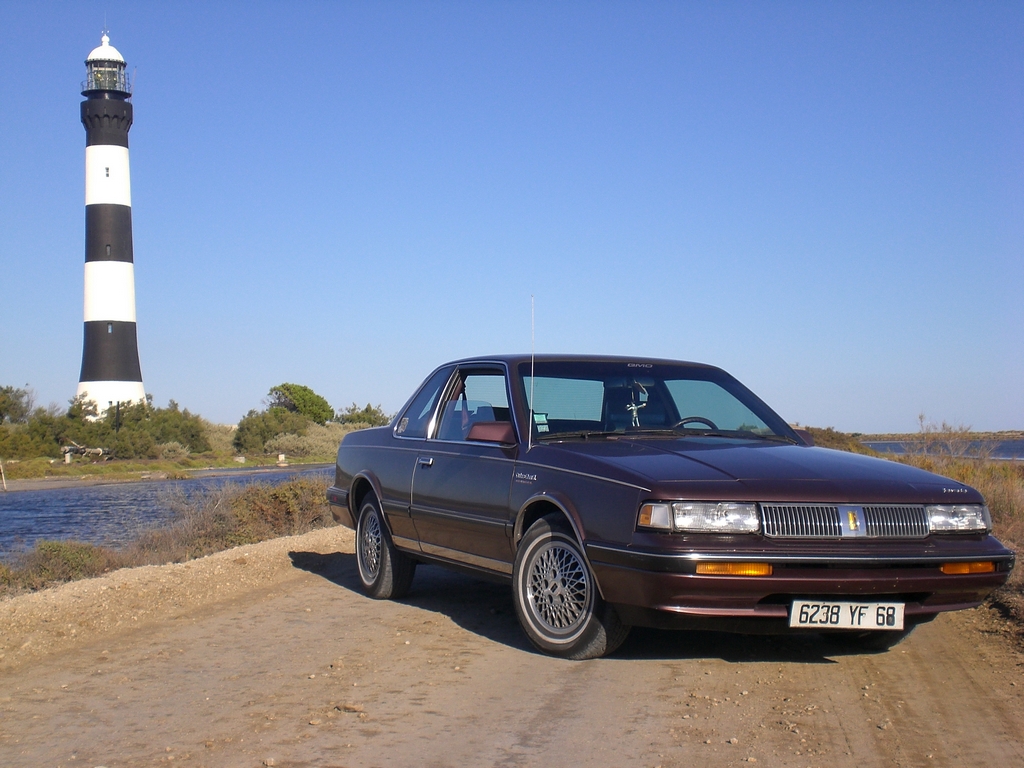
[(426, 461)]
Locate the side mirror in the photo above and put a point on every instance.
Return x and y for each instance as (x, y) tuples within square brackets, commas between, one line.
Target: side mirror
[(492, 432), (804, 435)]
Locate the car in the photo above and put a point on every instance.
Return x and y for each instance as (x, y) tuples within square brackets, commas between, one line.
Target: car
[(613, 492)]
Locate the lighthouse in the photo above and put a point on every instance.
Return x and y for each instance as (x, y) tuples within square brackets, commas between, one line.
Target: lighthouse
[(111, 372)]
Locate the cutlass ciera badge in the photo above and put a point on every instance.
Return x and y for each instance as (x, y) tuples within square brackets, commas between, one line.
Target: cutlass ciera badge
[(852, 520)]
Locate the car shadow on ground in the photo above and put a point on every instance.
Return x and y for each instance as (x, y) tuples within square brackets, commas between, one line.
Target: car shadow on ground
[(485, 609), (481, 607)]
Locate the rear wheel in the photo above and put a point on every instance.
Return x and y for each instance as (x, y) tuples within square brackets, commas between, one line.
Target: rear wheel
[(384, 571), (556, 597)]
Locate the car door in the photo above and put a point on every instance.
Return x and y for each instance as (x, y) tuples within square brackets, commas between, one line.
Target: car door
[(460, 489), (395, 464)]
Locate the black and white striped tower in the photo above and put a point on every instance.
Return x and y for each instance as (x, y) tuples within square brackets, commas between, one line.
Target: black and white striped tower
[(111, 372)]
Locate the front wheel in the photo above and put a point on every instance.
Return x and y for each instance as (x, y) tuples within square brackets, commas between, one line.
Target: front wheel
[(556, 597), (384, 571)]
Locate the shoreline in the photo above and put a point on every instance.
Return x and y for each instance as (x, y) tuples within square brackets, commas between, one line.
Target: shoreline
[(82, 481)]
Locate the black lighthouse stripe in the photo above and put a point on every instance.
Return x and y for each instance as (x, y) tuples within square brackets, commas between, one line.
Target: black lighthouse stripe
[(108, 232), (110, 352), (107, 120)]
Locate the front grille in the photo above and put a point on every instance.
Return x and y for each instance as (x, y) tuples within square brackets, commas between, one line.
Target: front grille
[(822, 521), (896, 522), (801, 521)]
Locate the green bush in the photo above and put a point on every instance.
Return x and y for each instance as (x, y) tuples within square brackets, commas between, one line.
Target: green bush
[(371, 415), (57, 561), (300, 399), (172, 451), (255, 429), (133, 431)]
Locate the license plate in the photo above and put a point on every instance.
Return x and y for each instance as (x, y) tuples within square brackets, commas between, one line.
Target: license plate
[(818, 614)]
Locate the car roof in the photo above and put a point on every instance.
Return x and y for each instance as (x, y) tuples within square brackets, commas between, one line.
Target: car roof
[(516, 359)]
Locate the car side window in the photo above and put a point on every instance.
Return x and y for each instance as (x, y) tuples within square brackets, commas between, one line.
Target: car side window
[(478, 396), (416, 420)]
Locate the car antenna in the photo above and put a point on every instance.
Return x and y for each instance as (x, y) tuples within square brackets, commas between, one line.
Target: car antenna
[(529, 433)]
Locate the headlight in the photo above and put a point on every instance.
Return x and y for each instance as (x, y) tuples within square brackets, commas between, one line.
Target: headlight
[(702, 517), (944, 518)]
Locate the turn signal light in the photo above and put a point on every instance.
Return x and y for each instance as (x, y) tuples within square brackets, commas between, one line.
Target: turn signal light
[(734, 569), (962, 568)]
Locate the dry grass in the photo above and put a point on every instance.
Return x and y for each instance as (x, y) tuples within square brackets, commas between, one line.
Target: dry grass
[(1002, 485), (219, 436), (318, 442), (953, 451)]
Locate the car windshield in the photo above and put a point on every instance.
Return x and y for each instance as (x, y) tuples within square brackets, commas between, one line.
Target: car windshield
[(589, 399)]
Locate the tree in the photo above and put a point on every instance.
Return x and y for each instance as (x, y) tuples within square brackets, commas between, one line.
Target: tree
[(300, 399), (372, 414), (16, 404)]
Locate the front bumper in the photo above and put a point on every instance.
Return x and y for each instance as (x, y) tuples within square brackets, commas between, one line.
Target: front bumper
[(659, 588)]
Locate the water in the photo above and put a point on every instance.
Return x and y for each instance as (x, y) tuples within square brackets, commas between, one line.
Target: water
[(1003, 450), (112, 515)]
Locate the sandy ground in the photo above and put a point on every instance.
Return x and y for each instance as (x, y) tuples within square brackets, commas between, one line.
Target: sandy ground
[(269, 655)]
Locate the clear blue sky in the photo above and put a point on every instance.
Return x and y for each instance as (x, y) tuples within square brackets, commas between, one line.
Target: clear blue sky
[(825, 199)]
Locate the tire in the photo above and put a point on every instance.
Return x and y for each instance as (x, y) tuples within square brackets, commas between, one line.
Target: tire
[(556, 597), (385, 573), (875, 641)]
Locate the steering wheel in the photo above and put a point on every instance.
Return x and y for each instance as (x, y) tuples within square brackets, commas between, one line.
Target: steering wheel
[(695, 419)]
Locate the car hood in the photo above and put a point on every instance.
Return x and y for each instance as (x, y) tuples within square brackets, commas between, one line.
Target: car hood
[(761, 470)]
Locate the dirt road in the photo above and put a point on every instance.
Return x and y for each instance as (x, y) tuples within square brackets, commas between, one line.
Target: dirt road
[(269, 655)]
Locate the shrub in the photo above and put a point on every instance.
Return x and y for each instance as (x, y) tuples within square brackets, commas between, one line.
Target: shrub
[(371, 415), (230, 516), (265, 511), (172, 451), (255, 429), (133, 444), (136, 430), (300, 399), (219, 437), (318, 441), (57, 561)]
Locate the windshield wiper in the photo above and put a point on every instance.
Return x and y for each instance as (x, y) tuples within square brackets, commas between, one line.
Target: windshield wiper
[(735, 435), (773, 438), (582, 434)]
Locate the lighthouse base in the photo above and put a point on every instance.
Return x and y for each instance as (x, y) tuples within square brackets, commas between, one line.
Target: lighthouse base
[(108, 393)]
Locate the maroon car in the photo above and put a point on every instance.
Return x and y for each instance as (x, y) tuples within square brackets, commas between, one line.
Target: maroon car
[(615, 492)]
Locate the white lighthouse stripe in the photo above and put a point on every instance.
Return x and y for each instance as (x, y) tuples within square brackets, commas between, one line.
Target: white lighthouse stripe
[(106, 175), (107, 393), (109, 291)]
